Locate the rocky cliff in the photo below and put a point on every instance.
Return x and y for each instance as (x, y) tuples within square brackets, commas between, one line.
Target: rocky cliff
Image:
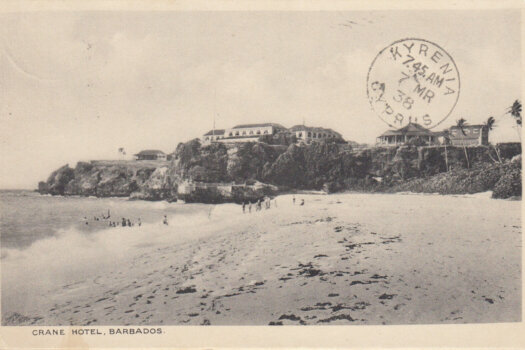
[(225, 172)]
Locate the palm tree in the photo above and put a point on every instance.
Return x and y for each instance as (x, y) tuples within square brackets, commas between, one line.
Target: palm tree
[(489, 125), (446, 140), (461, 124), (515, 112)]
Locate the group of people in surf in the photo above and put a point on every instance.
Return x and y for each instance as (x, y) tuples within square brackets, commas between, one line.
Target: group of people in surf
[(125, 222)]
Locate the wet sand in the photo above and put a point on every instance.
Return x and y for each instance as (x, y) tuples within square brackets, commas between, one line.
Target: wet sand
[(339, 259)]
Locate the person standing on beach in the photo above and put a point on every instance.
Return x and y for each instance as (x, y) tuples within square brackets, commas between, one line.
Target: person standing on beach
[(293, 200), (250, 207), (165, 221), (129, 223), (243, 207), (302, 202), (139, 222), (123, 222)]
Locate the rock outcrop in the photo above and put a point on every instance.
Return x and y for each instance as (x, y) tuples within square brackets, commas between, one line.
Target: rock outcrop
[(246, 171), (57, 181), (100, 179)]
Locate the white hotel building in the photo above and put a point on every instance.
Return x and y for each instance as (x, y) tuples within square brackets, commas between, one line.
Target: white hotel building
[(252, 132)]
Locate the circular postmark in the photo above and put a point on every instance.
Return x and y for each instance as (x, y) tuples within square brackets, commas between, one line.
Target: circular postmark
[(413, 80)]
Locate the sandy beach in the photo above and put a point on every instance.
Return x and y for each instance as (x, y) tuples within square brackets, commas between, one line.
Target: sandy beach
[(339, 259)]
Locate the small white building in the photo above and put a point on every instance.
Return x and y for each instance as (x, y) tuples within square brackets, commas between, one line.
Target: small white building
[(469, 135), (150, 154)]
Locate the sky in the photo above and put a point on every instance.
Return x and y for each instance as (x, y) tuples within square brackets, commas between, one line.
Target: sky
[(77, 86)]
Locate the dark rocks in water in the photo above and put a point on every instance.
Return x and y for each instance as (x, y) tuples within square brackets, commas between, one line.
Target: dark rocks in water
[(57, 181)]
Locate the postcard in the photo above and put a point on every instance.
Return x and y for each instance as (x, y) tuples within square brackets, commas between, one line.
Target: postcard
[(272, 174)]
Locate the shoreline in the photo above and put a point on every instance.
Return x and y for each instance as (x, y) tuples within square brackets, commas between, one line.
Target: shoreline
[(284, 193), (339, 259)]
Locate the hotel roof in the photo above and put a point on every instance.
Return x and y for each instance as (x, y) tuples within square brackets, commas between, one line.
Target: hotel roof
[(313, 128), (149, 152), (411, 129), (215, 132), (242, 126)]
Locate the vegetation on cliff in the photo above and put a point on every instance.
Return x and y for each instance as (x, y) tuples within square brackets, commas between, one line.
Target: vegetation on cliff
[(321, 165), (504, 179)]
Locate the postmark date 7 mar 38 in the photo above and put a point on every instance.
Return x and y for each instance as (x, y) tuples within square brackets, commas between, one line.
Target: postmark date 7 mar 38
[(413, 80)]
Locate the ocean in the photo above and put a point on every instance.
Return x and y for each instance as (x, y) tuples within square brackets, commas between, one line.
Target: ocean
[(27, 217), (46, 243)]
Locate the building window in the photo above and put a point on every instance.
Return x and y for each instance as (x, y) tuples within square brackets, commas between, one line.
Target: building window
[(244, 132), (251, 132), (236, 133), (231, 134), (300, 134), (207, 138), (309, 134), (266, 131), (258, 132)]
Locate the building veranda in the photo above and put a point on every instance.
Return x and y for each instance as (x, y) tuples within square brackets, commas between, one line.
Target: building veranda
[(467, 135), (412, 131)]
